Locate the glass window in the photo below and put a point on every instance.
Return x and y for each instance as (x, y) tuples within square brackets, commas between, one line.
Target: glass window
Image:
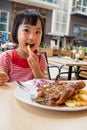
[(4, 20), (3, 17), (51, 1), (80, 31), (74, 1), (58, 27), (3, 27), (84, 2), (55, 1), (76, 31), (64, 18), (59, 17), (65, 7), (63, 28), (79, 2)]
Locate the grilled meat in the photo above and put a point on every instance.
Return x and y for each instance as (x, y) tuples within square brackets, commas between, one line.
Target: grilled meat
[(59, 92)]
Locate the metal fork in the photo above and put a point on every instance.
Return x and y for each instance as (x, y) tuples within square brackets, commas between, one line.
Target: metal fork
[(28, 91), (42, 100), (22, 86), (31, 95)]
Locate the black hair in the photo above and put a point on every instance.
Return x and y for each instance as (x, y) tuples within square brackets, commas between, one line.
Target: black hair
[(27, 16)]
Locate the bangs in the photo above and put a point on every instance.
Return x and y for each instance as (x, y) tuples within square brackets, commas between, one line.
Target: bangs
[(32, 20)]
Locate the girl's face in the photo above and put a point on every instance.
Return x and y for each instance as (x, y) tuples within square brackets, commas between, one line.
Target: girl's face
[(29, 35)]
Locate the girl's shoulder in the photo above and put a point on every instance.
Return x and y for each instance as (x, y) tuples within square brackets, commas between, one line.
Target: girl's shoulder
[(7, 54)]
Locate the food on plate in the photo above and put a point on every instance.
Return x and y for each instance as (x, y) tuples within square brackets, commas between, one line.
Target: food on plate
[(80, 84), (58, 92), (28, 47), (40, 82), (78, 99)]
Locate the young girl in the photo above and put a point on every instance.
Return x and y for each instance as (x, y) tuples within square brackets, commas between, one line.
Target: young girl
[(22, 64)]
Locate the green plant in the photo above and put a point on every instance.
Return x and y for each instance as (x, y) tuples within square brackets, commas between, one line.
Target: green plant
[(43, 45), (77, 72), (84, 49)]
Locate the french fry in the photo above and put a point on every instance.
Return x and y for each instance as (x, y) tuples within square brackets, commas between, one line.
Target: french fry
[(70, 103), (78, 99), (28, 47), (82, 91), (81, 103), (83, 97)]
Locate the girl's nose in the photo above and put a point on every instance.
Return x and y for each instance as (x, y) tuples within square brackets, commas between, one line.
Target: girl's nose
[(31, 36)]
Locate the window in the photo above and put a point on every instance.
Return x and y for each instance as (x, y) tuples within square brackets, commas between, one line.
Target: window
[(4, 18), (85, 3), (80, 31), (52, 1)]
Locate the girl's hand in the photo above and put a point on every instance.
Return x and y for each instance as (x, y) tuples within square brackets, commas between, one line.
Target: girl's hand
[(3, 77), (33, 61)]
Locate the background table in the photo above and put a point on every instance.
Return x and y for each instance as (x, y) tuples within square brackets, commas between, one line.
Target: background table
[(66, 61)]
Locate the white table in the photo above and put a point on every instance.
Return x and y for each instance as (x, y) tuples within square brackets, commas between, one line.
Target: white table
[(66, 61), (16, 115)]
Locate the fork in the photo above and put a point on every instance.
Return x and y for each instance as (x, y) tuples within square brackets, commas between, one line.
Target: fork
[(31, 95), (28, 91), (22, 86)]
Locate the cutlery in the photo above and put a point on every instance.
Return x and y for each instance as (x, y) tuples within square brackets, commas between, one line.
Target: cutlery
[(45, 100), (33, 96), (22, 86), (32, 93)]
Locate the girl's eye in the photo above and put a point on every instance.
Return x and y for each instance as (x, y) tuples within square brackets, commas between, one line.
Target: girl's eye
[(38, 32), (26, 30)]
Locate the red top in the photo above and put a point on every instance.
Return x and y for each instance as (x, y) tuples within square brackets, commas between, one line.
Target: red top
[(17, 60), (18, 68)]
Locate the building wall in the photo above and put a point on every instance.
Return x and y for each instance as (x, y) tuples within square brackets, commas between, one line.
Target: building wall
[(77, 20), (5, 5)]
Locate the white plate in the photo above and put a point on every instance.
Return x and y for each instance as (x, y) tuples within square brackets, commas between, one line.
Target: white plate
[(25, 97)]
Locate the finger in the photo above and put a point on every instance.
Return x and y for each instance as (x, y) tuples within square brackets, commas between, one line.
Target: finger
[(4, 76), (3, 81)]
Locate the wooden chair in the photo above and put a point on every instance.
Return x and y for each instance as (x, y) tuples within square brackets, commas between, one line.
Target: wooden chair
[(83, 70), (66, 53)]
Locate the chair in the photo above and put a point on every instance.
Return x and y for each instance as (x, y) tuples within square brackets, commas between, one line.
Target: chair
[(50, 66), (61, 77), (82, 74)]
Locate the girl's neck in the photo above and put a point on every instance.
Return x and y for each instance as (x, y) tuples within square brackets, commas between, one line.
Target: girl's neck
[(22, 54)]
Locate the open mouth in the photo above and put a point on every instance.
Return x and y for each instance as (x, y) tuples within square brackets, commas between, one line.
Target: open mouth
[(31, 45)]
